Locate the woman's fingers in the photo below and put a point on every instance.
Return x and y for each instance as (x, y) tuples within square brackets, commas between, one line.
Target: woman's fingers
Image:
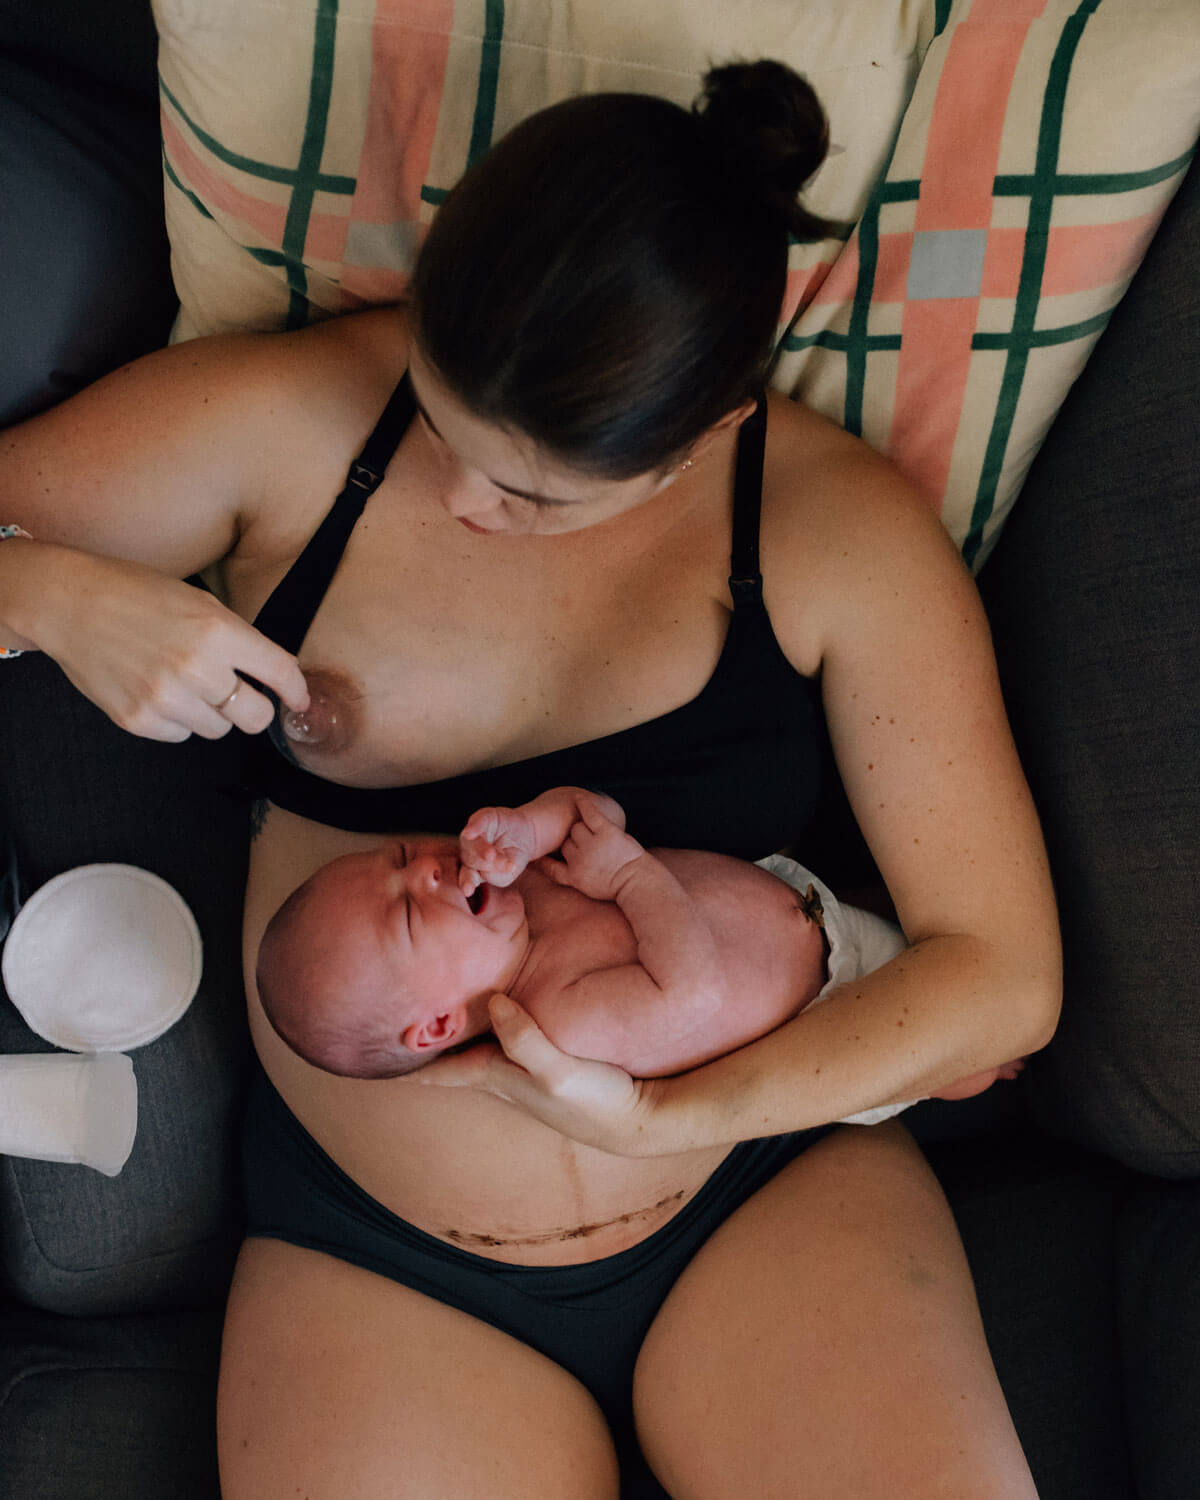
[(261, 659), (594, 1103), (162, 658)]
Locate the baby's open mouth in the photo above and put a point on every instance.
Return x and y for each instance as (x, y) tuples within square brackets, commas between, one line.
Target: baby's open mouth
[(477, 900)]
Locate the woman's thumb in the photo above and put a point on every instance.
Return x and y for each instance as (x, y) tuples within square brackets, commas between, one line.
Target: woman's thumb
[(519, 1034)]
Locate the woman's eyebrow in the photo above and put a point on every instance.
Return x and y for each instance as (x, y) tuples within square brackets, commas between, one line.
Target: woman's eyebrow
[(507, 488)]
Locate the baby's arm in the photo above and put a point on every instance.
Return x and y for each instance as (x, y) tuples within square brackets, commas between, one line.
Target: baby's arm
[(651, 1016), (499, 842)]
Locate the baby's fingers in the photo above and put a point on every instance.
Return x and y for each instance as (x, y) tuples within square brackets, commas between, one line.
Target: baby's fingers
[(484, 824)]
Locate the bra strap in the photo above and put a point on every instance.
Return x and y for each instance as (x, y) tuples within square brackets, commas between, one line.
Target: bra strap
[(745, 580), (287, 614)]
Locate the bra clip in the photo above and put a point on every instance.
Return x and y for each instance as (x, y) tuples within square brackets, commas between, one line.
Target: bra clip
[(367, 479)]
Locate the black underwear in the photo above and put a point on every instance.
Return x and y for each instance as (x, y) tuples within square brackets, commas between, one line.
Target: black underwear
[(591, 1319)]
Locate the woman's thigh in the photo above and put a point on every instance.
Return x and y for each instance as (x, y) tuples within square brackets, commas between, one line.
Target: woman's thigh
[(826, 1343), (341, 1385)]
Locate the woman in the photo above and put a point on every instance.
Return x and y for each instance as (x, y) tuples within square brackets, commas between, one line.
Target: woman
[(480, 1287)]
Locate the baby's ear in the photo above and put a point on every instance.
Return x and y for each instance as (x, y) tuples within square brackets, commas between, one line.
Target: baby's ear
[(434, 1033)]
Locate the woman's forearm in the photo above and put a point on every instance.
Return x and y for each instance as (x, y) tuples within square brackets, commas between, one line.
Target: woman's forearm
[(947, 1007), (30, 572)]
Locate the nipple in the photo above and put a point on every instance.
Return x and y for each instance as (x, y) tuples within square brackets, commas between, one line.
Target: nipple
[(326, 724)]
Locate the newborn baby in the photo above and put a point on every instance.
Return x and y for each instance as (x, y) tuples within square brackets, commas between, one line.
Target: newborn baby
[(656, 961)]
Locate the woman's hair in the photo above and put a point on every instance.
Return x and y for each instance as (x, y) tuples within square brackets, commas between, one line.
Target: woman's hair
[(608, 279)]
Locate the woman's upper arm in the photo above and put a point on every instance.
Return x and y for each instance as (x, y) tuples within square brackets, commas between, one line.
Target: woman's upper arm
[(915, 714), (154, 463)]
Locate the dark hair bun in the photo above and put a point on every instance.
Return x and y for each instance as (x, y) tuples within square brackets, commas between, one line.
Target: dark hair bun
[(767, 126)]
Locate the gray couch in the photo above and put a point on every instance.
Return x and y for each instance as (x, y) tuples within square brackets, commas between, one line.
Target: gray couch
[(1075, 1190)]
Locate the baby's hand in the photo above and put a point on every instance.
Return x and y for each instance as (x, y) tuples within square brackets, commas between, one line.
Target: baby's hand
[(595, 854), (495, 847)]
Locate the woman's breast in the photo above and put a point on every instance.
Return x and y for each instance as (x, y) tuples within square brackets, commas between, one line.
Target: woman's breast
[(459, 1164)]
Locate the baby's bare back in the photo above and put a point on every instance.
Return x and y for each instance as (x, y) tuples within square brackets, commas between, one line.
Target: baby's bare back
[(769, 962)]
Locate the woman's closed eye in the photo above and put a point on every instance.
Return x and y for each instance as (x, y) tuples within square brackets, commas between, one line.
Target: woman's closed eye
[(423, 418)]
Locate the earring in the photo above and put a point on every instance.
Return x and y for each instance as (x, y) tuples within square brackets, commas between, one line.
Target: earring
[(685, 465)]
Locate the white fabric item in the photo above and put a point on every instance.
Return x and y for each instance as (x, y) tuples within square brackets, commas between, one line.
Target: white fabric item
[(59, 1106), (859, 942), (103, 958)]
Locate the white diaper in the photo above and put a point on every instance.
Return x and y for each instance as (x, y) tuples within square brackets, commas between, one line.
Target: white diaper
[(859, 942)]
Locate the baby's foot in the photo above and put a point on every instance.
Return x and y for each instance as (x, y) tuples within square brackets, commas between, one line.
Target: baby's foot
[(495, 846), (976, 1083)]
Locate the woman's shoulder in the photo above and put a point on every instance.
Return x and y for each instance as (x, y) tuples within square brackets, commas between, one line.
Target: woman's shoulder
[(841, 524), (813, 468), (330, 367)]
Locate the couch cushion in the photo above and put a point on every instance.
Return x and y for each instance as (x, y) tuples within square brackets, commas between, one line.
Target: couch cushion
[(113, 44), (77, 790), (1093, 596), (1037, 1221), (1158, 1268), (82, 241), (114, 1407)]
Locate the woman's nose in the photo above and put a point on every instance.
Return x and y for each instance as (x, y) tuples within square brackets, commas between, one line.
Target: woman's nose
[(468, 495)]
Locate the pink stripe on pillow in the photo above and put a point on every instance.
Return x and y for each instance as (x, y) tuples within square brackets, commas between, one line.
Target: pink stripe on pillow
[(218, 194), (408, 67), (326, 238), (1079, 257), (1092, 255), (891, 267), (1002, 262), (963, 145), (363, 285), (803, 285), (842, 280), (930, 384)]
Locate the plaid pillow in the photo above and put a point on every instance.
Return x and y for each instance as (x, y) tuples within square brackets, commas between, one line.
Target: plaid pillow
[(308, 142), (1041, 145)]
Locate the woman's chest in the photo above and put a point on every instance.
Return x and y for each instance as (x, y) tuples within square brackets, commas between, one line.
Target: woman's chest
[(443, 654)]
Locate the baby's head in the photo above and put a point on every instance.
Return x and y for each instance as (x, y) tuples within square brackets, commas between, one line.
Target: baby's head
[(378, 962)]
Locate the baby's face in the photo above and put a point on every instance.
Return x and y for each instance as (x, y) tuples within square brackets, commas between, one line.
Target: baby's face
[(402, 916)]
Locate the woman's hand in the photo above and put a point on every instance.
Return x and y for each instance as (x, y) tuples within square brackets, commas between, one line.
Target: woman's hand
[(162, 658), (591, 1102)]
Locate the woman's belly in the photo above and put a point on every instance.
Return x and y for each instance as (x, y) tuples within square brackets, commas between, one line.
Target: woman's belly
[(459, 1164)]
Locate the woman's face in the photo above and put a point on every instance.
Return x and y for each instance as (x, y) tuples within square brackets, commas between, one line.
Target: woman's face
[(497, 481)]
